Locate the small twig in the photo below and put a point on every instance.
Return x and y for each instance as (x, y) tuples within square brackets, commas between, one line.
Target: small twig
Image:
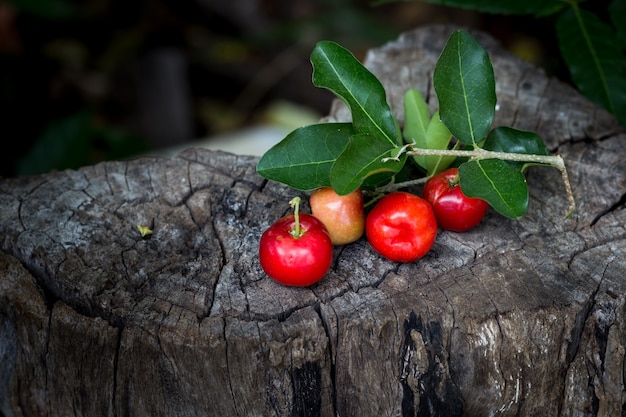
[(555, 161), (394, 186), (485, 154)]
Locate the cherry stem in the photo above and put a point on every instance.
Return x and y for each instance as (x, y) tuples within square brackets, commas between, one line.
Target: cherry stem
[(295, 205)]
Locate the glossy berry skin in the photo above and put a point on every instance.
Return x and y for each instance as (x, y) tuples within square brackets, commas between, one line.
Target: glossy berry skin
[(401, 227), (453, 209), (343, 215), (296, 261)]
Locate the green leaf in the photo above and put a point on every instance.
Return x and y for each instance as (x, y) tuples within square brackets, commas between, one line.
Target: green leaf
[(363, 158), (509, 140), (416, 121), (425, 132), (437, 137), (501, 185), (595, 60), (336, 69), (537, 7), (465, 85), (617, 13), (304, 158)]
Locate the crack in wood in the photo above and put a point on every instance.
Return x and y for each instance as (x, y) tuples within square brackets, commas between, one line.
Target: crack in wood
[(618, 205)]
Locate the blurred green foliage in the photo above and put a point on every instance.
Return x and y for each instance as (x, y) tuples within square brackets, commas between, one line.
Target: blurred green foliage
[(591, 38), (49, 9), (75, 141), (66, 97), (65, 100)]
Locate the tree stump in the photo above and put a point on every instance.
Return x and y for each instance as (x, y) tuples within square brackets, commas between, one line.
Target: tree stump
[(514, 318)]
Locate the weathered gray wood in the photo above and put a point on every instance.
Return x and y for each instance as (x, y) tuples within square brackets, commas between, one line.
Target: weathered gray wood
[(515, 318)]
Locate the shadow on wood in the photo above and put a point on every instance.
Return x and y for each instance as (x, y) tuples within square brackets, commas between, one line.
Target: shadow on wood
[(514, 318)]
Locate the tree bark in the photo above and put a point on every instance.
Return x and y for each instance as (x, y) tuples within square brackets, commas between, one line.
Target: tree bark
[(513, 318)]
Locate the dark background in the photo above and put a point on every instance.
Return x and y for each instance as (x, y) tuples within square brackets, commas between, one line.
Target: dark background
[(92, 80)]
